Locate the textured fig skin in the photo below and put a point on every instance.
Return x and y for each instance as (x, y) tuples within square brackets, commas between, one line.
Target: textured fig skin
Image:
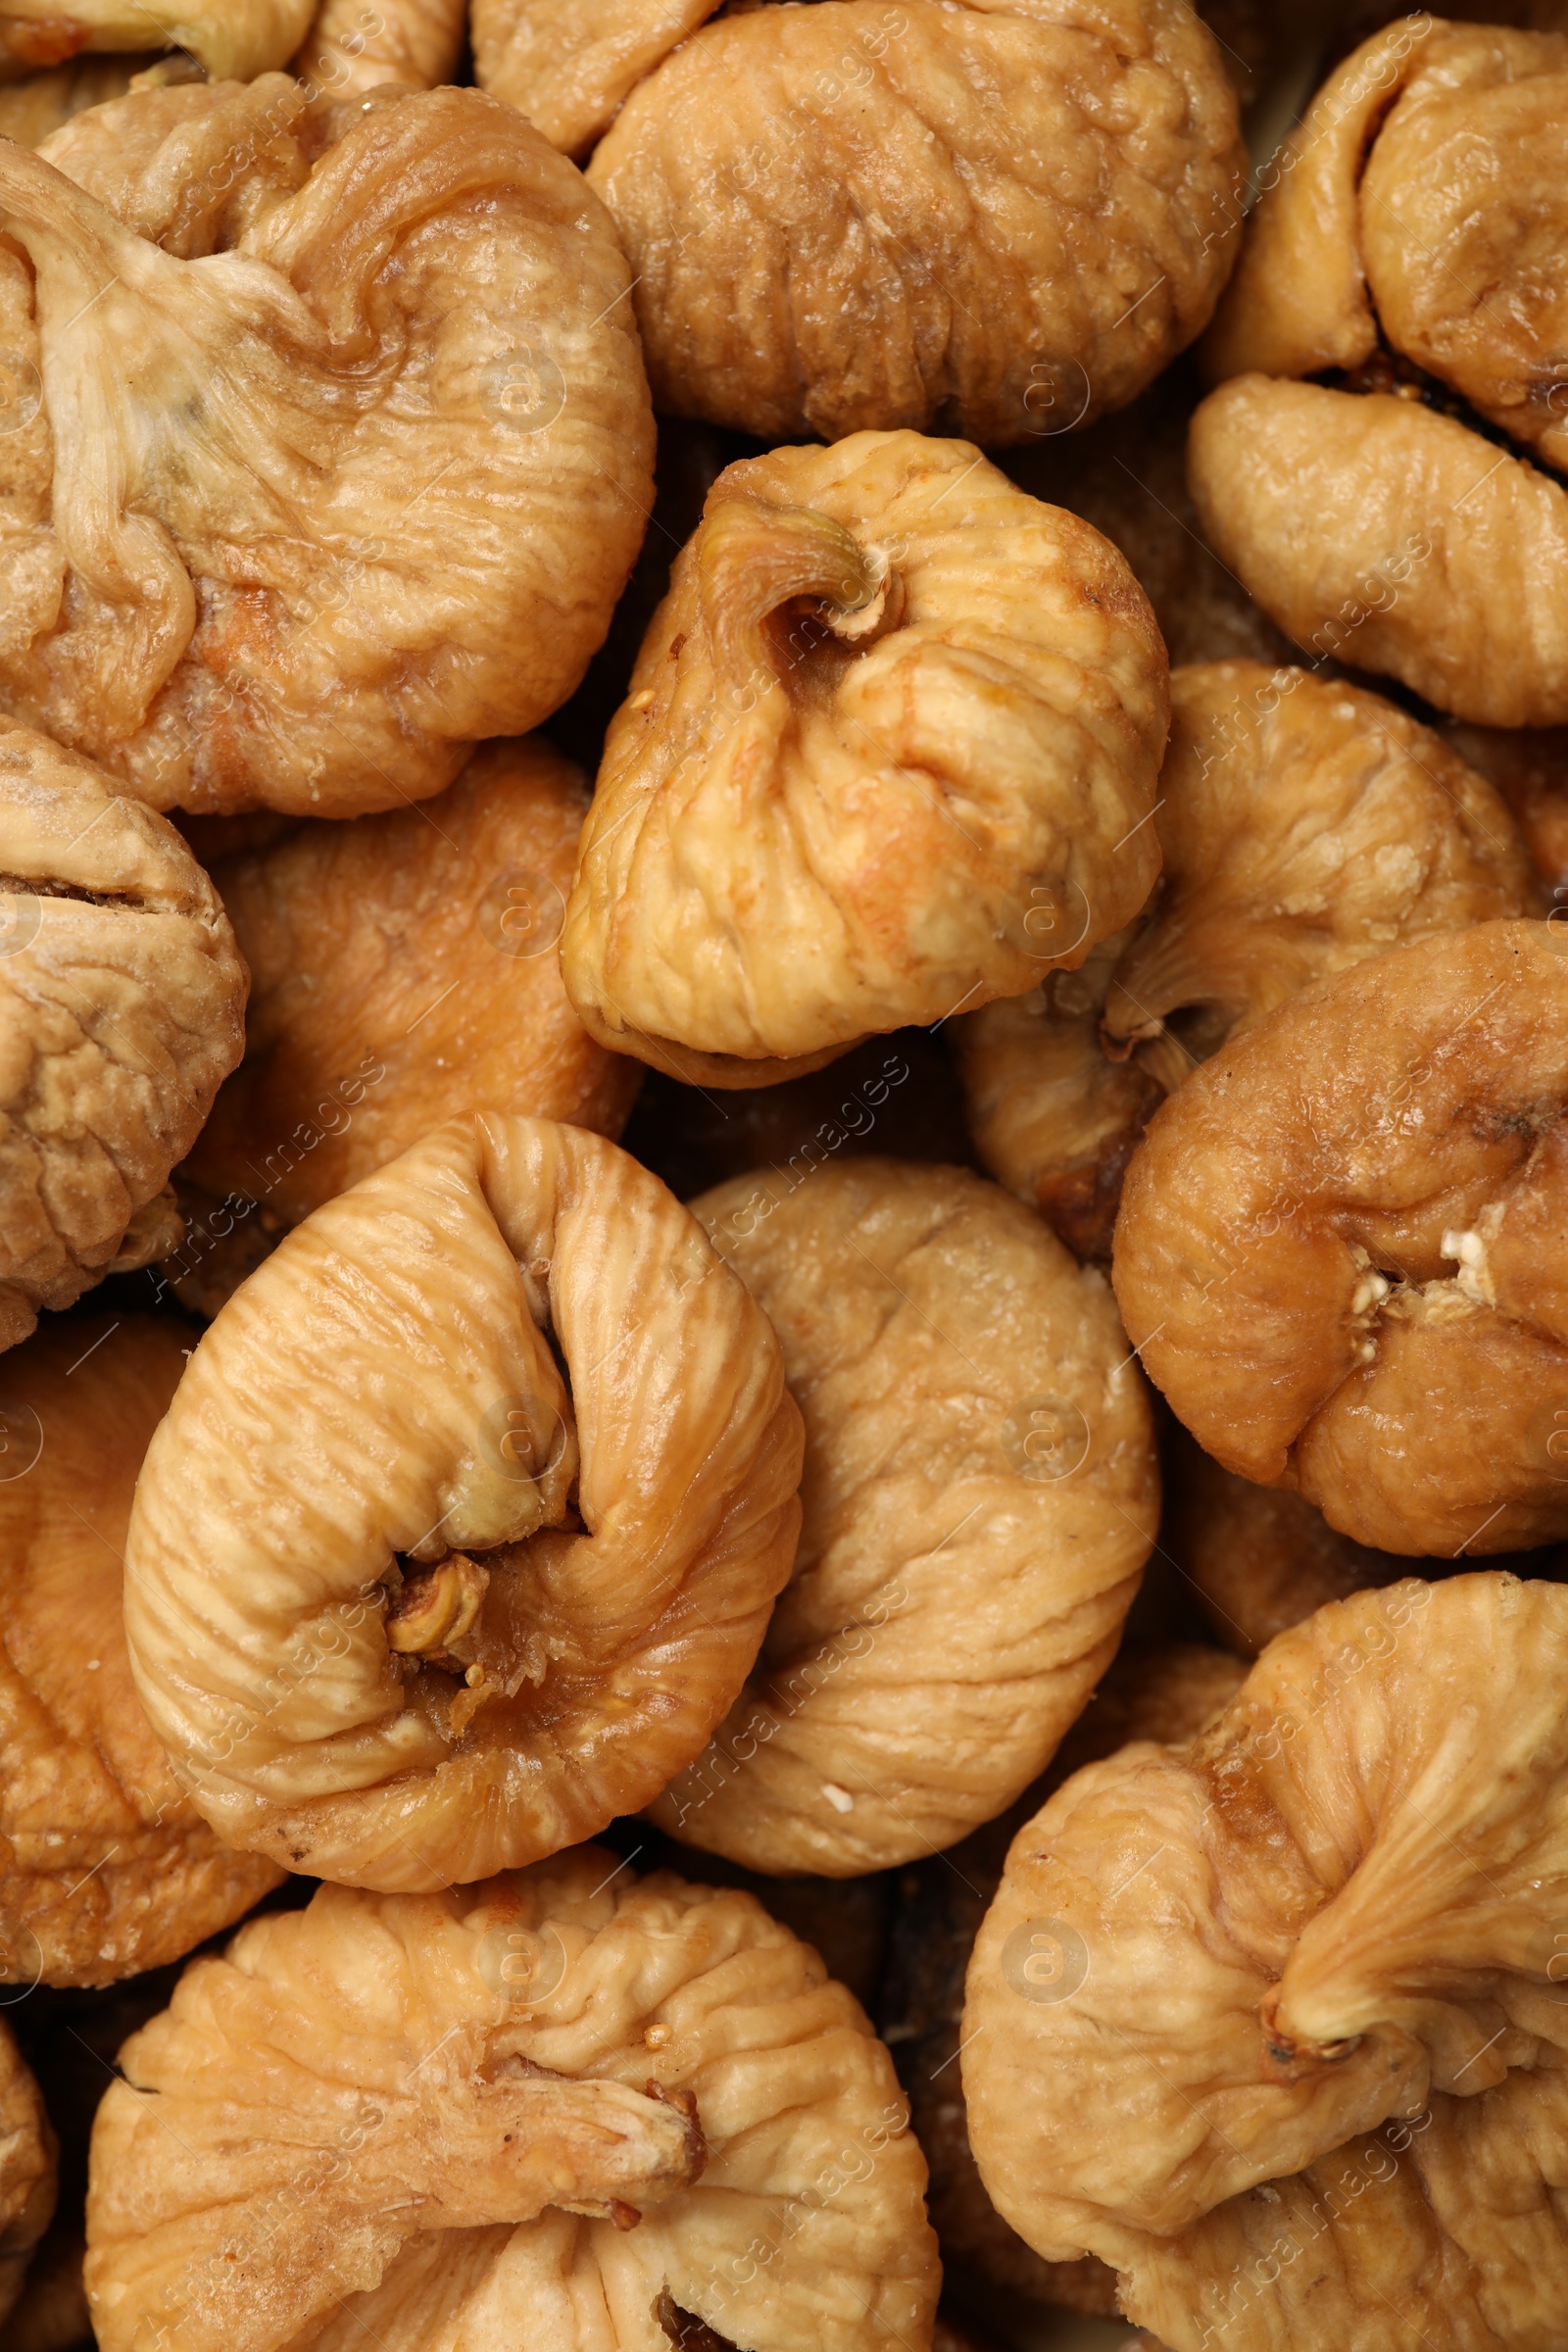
[(890, 750), (980, 1493), (1350, 1220), (384, 1394), (1349, 1888), (541, 2102), (1303, 828)]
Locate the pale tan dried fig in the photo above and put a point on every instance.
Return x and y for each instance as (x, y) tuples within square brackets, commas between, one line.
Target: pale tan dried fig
[(1150, 1690), (1410, 232), (404, 972), (462, 1530), (234, 38), (294, 527), (42, 103), (359, 45), (121, 1008), (1341, 1250), (29, 2167), (106, 1867), (889, 751), (1303, 826), (1269, 2020), (872, 216), (980, 1493), (565, 2106)]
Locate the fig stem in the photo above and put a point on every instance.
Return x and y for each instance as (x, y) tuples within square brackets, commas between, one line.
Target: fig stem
[(752, 559)]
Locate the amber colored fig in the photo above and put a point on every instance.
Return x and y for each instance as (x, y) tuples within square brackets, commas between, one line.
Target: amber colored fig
[(1268, 2020), (121, 1004), (106, 1867), (27, 2168), (1341, 1248), (511, 1350), (566, 2106), (861, 215), (294, 527), (404, 972), (980, 1493), (359, 45), (889, 752), (1303, 826)]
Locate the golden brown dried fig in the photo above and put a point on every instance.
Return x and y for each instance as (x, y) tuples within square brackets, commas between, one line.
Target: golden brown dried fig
[(980, 1493), (1529, 767), (27, 2168), (105, 1868), (121, 1008), (236, 38), (403, 972), (1410, 234), (360, 45), (1339, 2117), (1303, 826), (462, 1530), (294, 527), (42, 103), (1164, 1690), (419, 2120), (1341, 1248), (889, 750), (880, 215)]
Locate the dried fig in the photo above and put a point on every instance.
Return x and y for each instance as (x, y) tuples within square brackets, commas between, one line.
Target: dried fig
[(892, 740), (42, 103), (1164, 1690), (506, 1377), (980, 1493), (415, 2120), (1303, 828), (294, 527), (237, 38), (403, 972), (27, 2168), (105, 1868), (360, 45), (920, 216), (1343, 2119), (1410, 233), (1340, 1250), (121, 1008)]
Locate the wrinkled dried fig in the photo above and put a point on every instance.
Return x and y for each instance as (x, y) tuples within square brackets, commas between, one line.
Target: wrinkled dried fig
[(27, 2168), (463, 1527), (1340, 1248), (1344, 2120), (980, 1493), (42, 103), (1410, 233), (105, 1868), (1303, 827), (421, 2119), (293, 527), (236, 38), (868, 216), (121, 1008), (889, 748), (360, 45), (403, 972), (1165, 1690)]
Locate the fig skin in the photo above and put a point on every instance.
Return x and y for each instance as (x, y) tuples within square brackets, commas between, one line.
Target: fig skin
[(105, 1868), (1341, 1244), (415, 288), (1303, 825), (1350, 1887), (404, 972), (121, 1009), (980, 1491), (411, 1595), (558, 2102), (836, 223), (890, 750)]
